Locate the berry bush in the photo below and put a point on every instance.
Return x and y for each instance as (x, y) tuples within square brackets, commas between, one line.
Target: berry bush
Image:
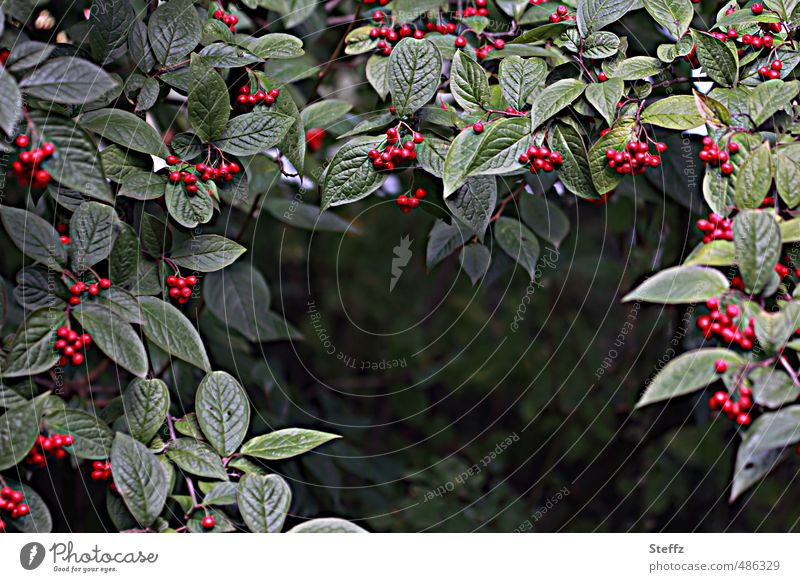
[(147, 140)]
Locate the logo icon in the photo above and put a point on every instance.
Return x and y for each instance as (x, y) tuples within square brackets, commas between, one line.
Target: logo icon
[(402, 255), (31, 555)]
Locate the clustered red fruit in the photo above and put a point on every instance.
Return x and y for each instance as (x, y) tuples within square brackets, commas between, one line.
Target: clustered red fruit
[(13, 503), (52, 445), (227, 19), (773, 71), (101, 471), (635, 158), (72, 345), (208, 522), (716, 227), (736, 410), (411, 200), (711, 154), (180, 288), (722, 322), (27, 167), (561, 14), (392, 154), (389, 36), (205, 172), (542, 159), (248, 98), (314, 138), (63, 231), (92, 289)]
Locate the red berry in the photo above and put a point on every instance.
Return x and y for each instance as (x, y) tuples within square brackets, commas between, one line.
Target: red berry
[(461, 42), (477, 127), (720, 366), (104, 283), (776, 65), (172, 160), (22, 141), (757, 8), (208, 522), (661, 147), (77, 359), (602, 77)]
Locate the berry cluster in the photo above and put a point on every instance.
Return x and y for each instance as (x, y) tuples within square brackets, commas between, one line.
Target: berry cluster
[(208, 521), (410, 201), (734, 410), (716, 227), (190, 175), (773, 71), (381, 2), (478, 10), (227, 19), (561, 14), (12, 502), (314, 138), (248, 98), (389, 36), (27, 168), (63, 231), (52, 445), (392, 154), (93, 289), (101, 471), (180, 288), (723, 324), (635, 158), (70, 344), (542, 159), (783, 270), (711, 154)]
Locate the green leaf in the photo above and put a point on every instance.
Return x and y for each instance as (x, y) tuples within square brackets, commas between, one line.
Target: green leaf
[(598, 45), (787, 175), (219, 493), (377, 68), (717, 253), (687, 373), (285, 443), (327, 525), (93, 229), (674, 15), (226, 56), (754, 178), (140, 478), (34, 236), (769, 97), (431, 155), (115, 337), (635, 68), (207, 253), (223, 411), (605, 96), (350, 175), (254, 132), (757, 239), (263, 502), (574, 173), (443, 239), (276, 45), (67, 80), (675, 112), (773, 388), (683, 284), (93, 438), (126, 129), (595, 14), (790, 230), (358, 41), (554, 98), (169, 329), (197, 458), (32, 349), (19, 427), (189, 210), (209, 105), (545, 218), (143, 185), (713, 112), (415, 67), (718, 59), (10, 102), (146, 405), (325, 113), (111, 22), (605, 179), (474, 203), (468, 83), (519, 78), (518, 242), (475, 260), (173, 30), (239, 297)]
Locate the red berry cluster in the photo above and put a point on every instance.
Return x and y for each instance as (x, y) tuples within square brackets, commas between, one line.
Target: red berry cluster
[(635, 158), (248, 99), (542, 159), (716, 227), (389, 36), (13, 503), (70, 343), (228, 19), (314, 138), (208, 521), (723, 324), (783, 270), (561, 14), (93, 289), (101, 471), (63, 231), (27, 168), (180, 288), (410, 201), (711, 154), (52, 445), (478, 10), (392, 154), (734, 409), (381, 2), (773, 71), (202, 172)]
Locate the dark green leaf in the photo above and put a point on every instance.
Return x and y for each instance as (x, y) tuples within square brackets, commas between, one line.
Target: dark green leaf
[(264, 502), (170, 330), (223, 411), (139, 477), (285, 443)]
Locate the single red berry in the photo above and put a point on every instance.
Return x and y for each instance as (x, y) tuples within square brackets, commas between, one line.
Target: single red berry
[(208, 522), (172, 160), (477, 127), (733, 147), (602, 77), (757, 8), (776, 65), (720, 366), (726, 169), (461, 42), (499, 44), (104, 283), (22, 141), (661, 147)]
